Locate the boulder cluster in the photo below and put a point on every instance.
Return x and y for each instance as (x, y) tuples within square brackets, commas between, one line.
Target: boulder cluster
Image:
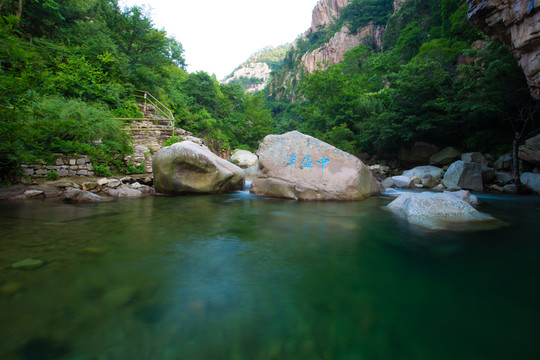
[(450, 169)]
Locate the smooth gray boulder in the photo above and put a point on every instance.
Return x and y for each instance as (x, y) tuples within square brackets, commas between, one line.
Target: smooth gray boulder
[(76, 195), (186, 167), (429, 181), (301, 167), (503, 162), (445, 157), (244, 158), (476, 157), (465, 175), (421, 171), (531, 180), (436, 211), (402, 181), (530, 152)]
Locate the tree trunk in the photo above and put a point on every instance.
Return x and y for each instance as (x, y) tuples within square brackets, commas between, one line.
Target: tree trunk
[(19, 9), (515, 160)]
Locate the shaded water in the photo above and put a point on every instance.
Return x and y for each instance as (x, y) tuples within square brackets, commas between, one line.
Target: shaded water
[(240, 277)]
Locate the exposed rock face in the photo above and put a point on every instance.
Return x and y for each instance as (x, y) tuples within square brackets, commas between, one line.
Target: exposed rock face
[(253, 70), (186, 167), (515, 23), (325, 12), (332, 52), (530, 152), (466, 175), (435, 211), (398, 3), (300, 167)]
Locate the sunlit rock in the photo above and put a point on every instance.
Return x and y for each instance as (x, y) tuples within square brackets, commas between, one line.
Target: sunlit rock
[(186, 167), (298, 166), (244, 158)]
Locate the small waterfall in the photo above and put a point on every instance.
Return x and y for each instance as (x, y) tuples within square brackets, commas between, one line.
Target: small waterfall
[(247, 185)]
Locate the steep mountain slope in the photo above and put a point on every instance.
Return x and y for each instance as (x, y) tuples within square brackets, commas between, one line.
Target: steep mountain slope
[(254, 74), (337, 27)]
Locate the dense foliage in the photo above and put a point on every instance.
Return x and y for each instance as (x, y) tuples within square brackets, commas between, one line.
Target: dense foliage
[(434, 78), (68, 67)]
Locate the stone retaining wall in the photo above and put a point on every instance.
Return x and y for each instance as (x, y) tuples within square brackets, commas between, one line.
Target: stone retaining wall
[(64, 166)]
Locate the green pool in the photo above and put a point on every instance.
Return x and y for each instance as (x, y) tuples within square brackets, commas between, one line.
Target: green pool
[(242, 277)]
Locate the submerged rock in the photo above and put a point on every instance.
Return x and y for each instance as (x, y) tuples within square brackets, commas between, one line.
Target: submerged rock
[(28, 264), (186, 167), (436, 211), (301, 167)]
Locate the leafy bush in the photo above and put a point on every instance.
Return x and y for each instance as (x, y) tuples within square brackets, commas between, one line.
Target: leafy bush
[(172, 140), (52, 175)]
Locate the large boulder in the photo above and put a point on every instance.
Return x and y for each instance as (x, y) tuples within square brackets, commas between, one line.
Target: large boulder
[(417, 154), (298, 166), (244, 158), (531, 180), (466, 175), (445, 157), (476, 157), (421, 171), (435, 211), (504, 162), (530, 152), (186, 167)]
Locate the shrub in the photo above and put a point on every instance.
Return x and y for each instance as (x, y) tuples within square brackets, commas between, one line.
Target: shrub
[(52, 175), (172, 140)]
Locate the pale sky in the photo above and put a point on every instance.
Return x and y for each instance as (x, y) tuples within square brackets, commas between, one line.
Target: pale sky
[(219, 35)]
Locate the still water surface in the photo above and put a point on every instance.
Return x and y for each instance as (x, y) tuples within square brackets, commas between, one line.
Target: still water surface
[(241, 277)]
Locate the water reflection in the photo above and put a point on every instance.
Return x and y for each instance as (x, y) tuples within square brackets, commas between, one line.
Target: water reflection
[(238, 276)]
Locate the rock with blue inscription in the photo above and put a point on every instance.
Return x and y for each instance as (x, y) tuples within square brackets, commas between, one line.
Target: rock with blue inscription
[(301, 167), (186, 167)]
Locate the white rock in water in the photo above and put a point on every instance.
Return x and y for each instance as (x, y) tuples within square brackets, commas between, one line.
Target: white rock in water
[(436, 211)]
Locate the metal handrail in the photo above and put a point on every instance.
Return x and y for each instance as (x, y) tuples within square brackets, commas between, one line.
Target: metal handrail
[(158, 105)]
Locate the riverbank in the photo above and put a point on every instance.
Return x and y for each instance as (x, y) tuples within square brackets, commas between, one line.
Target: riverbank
[(53, 190)]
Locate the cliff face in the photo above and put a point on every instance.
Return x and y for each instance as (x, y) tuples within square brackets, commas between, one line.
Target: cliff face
[(257, 72), (325, 12), (332, 52), (515, 23)]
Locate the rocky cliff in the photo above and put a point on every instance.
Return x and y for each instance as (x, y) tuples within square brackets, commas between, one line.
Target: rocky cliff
[(332, 52), (255, 75), (325, 12), (515, 23)]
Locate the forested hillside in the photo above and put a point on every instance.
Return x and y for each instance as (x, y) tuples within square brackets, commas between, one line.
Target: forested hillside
[(68, 67), (431, 77)]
